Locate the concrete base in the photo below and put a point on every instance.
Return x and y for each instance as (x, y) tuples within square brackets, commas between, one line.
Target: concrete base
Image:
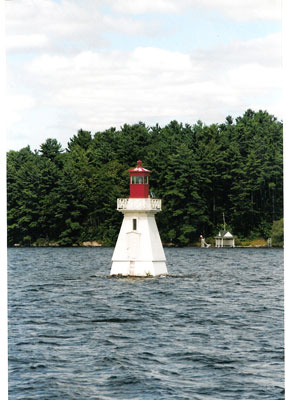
[(138, 268)]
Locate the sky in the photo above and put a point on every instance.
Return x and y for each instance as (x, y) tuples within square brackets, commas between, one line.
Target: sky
[(96, 64)]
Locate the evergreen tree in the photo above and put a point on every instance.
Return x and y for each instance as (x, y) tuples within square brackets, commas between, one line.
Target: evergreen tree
[(199, 171), (277, 233)]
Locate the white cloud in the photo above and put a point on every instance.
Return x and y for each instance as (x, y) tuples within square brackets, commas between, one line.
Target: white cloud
[(52, 22), (18, 42), (146, 6), (245, 10), (109, 89), (239, 10), (265, 51), (254, 78), (70, 25), (71, 80), (66, 26), (16, 106)]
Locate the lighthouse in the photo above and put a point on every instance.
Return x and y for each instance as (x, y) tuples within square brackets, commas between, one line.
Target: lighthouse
[(139, 250)]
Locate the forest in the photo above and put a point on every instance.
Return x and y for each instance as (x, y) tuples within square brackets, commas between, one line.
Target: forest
[(67, 196)]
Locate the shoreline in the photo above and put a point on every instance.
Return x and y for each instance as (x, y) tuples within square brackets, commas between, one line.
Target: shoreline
[(16, 245)]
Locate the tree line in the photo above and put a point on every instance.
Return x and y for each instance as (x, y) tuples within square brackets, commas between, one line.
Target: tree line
[(199, 171)]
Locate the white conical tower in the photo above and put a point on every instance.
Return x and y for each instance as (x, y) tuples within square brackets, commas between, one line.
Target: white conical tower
[(139, 250)]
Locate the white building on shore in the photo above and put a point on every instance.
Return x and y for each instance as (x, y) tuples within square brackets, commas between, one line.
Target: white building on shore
[(224, 239)]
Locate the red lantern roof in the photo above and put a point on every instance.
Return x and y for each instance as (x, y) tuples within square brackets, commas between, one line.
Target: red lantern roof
[(139, 181), (139, 168)]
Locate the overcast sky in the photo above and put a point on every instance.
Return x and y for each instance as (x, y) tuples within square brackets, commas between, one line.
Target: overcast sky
[(93, 64)]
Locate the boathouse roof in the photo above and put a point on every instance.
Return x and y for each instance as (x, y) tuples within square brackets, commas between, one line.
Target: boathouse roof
[(224, 234)]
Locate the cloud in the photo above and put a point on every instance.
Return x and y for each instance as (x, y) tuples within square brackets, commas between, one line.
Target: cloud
[(70, 25), (146, 6), (72, 79), (245, 10), (16, 105), (109, 89), (67, 26), (52, 23), (33, 41), (265, 51), (239, 10)]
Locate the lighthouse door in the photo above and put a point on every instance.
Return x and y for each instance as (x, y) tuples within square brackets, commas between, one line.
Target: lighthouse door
[(133, 245)]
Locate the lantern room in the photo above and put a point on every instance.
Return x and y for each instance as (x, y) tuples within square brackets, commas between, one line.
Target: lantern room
[(139, 182)]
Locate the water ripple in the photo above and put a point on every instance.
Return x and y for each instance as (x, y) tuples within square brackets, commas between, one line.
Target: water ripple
[(212, 329)]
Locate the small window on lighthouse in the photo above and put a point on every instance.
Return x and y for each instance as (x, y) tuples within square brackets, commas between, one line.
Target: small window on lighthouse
[(139, 180), (146, 180), (134, 222)]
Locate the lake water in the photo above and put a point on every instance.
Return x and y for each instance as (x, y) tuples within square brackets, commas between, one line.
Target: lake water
[(212, 329)]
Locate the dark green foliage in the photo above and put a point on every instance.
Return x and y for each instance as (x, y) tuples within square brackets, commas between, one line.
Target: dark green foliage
[(51, 149), (199, 171), (83, 139), (277, 233)]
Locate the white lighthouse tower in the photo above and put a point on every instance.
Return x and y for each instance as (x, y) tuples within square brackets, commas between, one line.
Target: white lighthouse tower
[(138, 250)]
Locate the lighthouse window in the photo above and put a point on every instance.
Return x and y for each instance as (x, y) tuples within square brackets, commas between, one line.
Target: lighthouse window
[(146, 180), (137, 180), (134, 222)]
